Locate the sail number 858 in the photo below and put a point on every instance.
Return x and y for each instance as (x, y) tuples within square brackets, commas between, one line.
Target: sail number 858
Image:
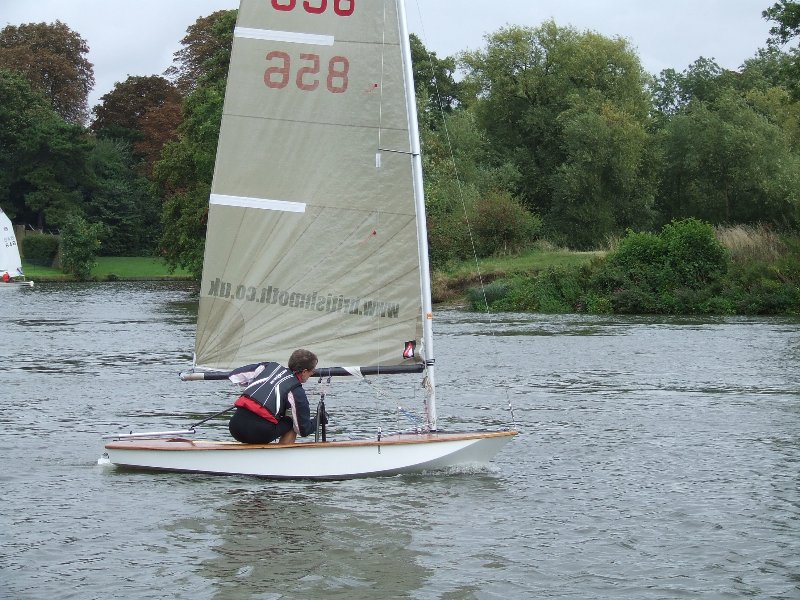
[(343, 8), (279, 73)]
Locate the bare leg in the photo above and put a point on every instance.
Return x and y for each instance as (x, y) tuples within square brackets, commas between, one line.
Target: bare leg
[(288, 438)]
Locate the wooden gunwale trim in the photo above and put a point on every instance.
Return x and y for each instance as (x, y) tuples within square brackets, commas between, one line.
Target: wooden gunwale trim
[(183, 444)]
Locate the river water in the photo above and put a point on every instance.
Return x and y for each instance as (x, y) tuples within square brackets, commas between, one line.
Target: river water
[(657, 458)]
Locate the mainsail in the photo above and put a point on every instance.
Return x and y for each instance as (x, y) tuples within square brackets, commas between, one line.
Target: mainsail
[(10, 261), (312, 236)]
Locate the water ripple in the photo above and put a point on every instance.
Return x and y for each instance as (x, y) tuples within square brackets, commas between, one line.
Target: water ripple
[(658, 458)]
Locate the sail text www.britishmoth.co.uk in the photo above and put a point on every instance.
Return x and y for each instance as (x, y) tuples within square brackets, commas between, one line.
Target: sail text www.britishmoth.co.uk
[(317, 301)]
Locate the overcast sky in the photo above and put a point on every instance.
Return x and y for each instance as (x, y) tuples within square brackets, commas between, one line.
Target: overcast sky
[(139, 37)]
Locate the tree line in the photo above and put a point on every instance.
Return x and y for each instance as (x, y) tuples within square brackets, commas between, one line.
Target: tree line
[(546, 132)]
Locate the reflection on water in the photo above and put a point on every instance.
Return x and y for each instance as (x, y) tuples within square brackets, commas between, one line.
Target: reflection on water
[(308, 540), (658, 458)]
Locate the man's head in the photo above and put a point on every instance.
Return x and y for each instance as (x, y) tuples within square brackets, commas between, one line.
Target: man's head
[(302, 360)]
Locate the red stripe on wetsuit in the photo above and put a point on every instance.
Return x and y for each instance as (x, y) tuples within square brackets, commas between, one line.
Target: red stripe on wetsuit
[(255, 407)]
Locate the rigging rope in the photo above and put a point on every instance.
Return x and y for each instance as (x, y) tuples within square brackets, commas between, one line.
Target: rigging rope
[(460, 188), (382, 397)]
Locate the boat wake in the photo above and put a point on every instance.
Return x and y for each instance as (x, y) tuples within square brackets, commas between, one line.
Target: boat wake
[(465, 469)]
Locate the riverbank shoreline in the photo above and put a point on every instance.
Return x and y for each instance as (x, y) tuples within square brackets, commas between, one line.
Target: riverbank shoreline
[(111, 268), (543, 281)]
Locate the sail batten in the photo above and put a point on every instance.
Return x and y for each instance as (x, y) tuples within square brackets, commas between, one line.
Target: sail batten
[(261, 203), (283, 36)]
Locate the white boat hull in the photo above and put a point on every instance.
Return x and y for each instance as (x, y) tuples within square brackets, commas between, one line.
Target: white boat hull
[(405, 453), (15, 284)]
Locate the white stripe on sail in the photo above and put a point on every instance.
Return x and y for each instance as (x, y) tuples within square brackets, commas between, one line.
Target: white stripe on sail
[(283, 36), (263, 203)]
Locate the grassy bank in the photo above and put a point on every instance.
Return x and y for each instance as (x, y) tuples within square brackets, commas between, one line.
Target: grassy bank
[(451, 284), (112, 268)]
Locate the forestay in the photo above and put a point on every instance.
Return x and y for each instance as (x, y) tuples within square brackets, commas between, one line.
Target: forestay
[(312, 236)]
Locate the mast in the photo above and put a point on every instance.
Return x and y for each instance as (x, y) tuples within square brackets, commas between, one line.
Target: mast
[(419, 199)]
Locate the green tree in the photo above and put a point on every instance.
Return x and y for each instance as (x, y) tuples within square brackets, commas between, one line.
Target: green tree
[(53, 58), (186, 168), (501, 225), (779, 108), (56, 172), (703, 81), (43, 159), (434, 80), (122, 201), (20, 109), (205, 52), (786, 16), (772, 68), (603, 184), (765, 70), (536, 89), (460, 173), (726, 163)]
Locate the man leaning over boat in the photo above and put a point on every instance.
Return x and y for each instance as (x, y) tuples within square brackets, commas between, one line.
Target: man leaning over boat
[(274, 405)]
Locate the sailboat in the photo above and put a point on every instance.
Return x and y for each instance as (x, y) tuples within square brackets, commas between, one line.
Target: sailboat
[(317, 238), (11, 274)]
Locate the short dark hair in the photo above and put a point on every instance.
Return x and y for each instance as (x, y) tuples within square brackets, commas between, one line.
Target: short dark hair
[(302, 359)]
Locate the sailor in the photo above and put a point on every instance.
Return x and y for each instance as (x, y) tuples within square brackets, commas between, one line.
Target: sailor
[(274, 404)]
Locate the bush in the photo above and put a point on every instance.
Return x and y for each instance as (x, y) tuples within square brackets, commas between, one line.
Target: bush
[(560, 289), (693, 252), (448, 240), (501, 225), (640, 261), (596, 304), (678, 271), (758, 288), (80, 242), (553, 290), (637, 250), (40, 248), (480, 297)]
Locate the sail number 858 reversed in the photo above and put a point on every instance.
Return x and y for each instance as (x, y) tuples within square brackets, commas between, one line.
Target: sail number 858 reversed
[(279, 73), (343, 8)]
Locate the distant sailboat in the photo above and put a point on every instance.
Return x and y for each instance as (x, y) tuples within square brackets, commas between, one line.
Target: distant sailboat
[(11, 274), (317, 237)]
